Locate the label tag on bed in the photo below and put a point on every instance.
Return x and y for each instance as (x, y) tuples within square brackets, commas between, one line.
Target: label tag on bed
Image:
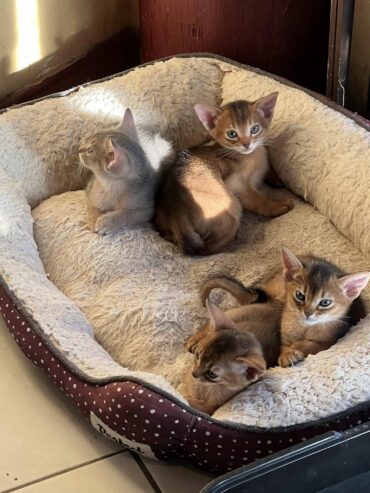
[(104, 429)]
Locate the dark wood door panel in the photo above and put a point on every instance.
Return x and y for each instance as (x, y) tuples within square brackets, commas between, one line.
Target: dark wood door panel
[(286, 37)]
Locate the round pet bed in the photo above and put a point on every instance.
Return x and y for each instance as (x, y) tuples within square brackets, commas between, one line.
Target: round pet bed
[(106, 318)]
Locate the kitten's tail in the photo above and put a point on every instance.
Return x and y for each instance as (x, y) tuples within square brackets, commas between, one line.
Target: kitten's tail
[(243, 295)]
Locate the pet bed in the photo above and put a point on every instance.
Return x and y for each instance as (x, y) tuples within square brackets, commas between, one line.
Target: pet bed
[(140, 294)]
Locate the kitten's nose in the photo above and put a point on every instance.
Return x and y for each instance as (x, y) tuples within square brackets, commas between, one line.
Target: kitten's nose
[(195, 374), (246, 145), (308, 314)]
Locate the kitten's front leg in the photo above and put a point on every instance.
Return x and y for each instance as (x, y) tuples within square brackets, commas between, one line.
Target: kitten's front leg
[(106, 223), (289, 356), (310, 347), (194, 340), (115, 220), (92, 215)]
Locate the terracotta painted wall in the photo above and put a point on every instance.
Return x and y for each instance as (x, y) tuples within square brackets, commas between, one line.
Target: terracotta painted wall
[(40, 37)]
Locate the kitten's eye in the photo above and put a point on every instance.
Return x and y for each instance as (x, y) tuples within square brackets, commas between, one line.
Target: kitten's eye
[(299, 296), (325, 303), (255, 129), (211, 375), (231, 134)]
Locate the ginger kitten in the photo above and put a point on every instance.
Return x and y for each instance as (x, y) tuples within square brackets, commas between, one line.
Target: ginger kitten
[(230, 352), (321, 304), (200, 201), (121, 190)]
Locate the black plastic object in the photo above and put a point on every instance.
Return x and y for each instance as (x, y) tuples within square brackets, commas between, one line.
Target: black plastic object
[(331, 463)]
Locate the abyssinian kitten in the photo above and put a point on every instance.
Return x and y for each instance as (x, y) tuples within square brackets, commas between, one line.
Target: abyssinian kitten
[(122, 188), (321, 304), (201, 198), (318, 303), (230, 352)]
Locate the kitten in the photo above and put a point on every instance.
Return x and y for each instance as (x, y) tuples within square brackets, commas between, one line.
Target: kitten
[(318, 302), (230, 352), (201, 198), (122, 188), (321, 304)]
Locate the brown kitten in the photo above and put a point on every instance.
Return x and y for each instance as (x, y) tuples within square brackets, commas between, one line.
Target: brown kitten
[(321, 304), (230, 352), (121, 190), (201, 198)]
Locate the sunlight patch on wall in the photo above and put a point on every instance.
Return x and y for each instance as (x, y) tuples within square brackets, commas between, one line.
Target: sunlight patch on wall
[(28, 36)]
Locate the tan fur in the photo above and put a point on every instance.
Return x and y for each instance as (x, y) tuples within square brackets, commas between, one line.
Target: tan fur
[(194, 209), (243, 295), (299, 336), (237, 345), (200, 201)]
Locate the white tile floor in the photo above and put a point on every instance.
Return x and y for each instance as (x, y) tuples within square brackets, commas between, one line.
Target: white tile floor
[(47, 447)]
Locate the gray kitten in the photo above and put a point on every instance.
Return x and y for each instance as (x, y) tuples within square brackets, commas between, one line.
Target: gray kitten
[(122, 188)]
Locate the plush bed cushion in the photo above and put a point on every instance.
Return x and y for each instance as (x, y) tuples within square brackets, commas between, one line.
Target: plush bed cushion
[(137, 291)]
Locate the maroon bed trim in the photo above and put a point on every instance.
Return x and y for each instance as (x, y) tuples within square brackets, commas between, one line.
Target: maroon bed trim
[(158, 426)]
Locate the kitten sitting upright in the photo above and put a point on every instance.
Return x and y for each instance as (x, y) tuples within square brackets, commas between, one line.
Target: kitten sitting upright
[(230, 352), (201, 198), (321, 304), (122, 188)]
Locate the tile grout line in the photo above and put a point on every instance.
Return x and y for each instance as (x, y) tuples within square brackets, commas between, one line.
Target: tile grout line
[(146, 473), (63, 471)]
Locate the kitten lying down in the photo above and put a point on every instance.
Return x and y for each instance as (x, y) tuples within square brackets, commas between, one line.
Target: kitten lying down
[(311, 304), (321, 303), (318, 302), (231, 351)]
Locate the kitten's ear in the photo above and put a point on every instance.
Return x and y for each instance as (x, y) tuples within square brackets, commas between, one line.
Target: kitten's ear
[(255, 365), (353, 284), (219, 320), (127, 125), (291, 264), (266, 105), (117, 157), (207, 115)]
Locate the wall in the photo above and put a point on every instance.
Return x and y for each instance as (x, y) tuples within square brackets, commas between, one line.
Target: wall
[(40, 37), (359, 67)]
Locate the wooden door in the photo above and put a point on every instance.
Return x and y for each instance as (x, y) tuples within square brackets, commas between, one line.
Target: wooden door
[(286, 37)]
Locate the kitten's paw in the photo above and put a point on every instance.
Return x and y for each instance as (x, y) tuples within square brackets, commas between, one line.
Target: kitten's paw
[(191, 346), (104, 225), (194, 345), (289, 358), (282, 207)]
